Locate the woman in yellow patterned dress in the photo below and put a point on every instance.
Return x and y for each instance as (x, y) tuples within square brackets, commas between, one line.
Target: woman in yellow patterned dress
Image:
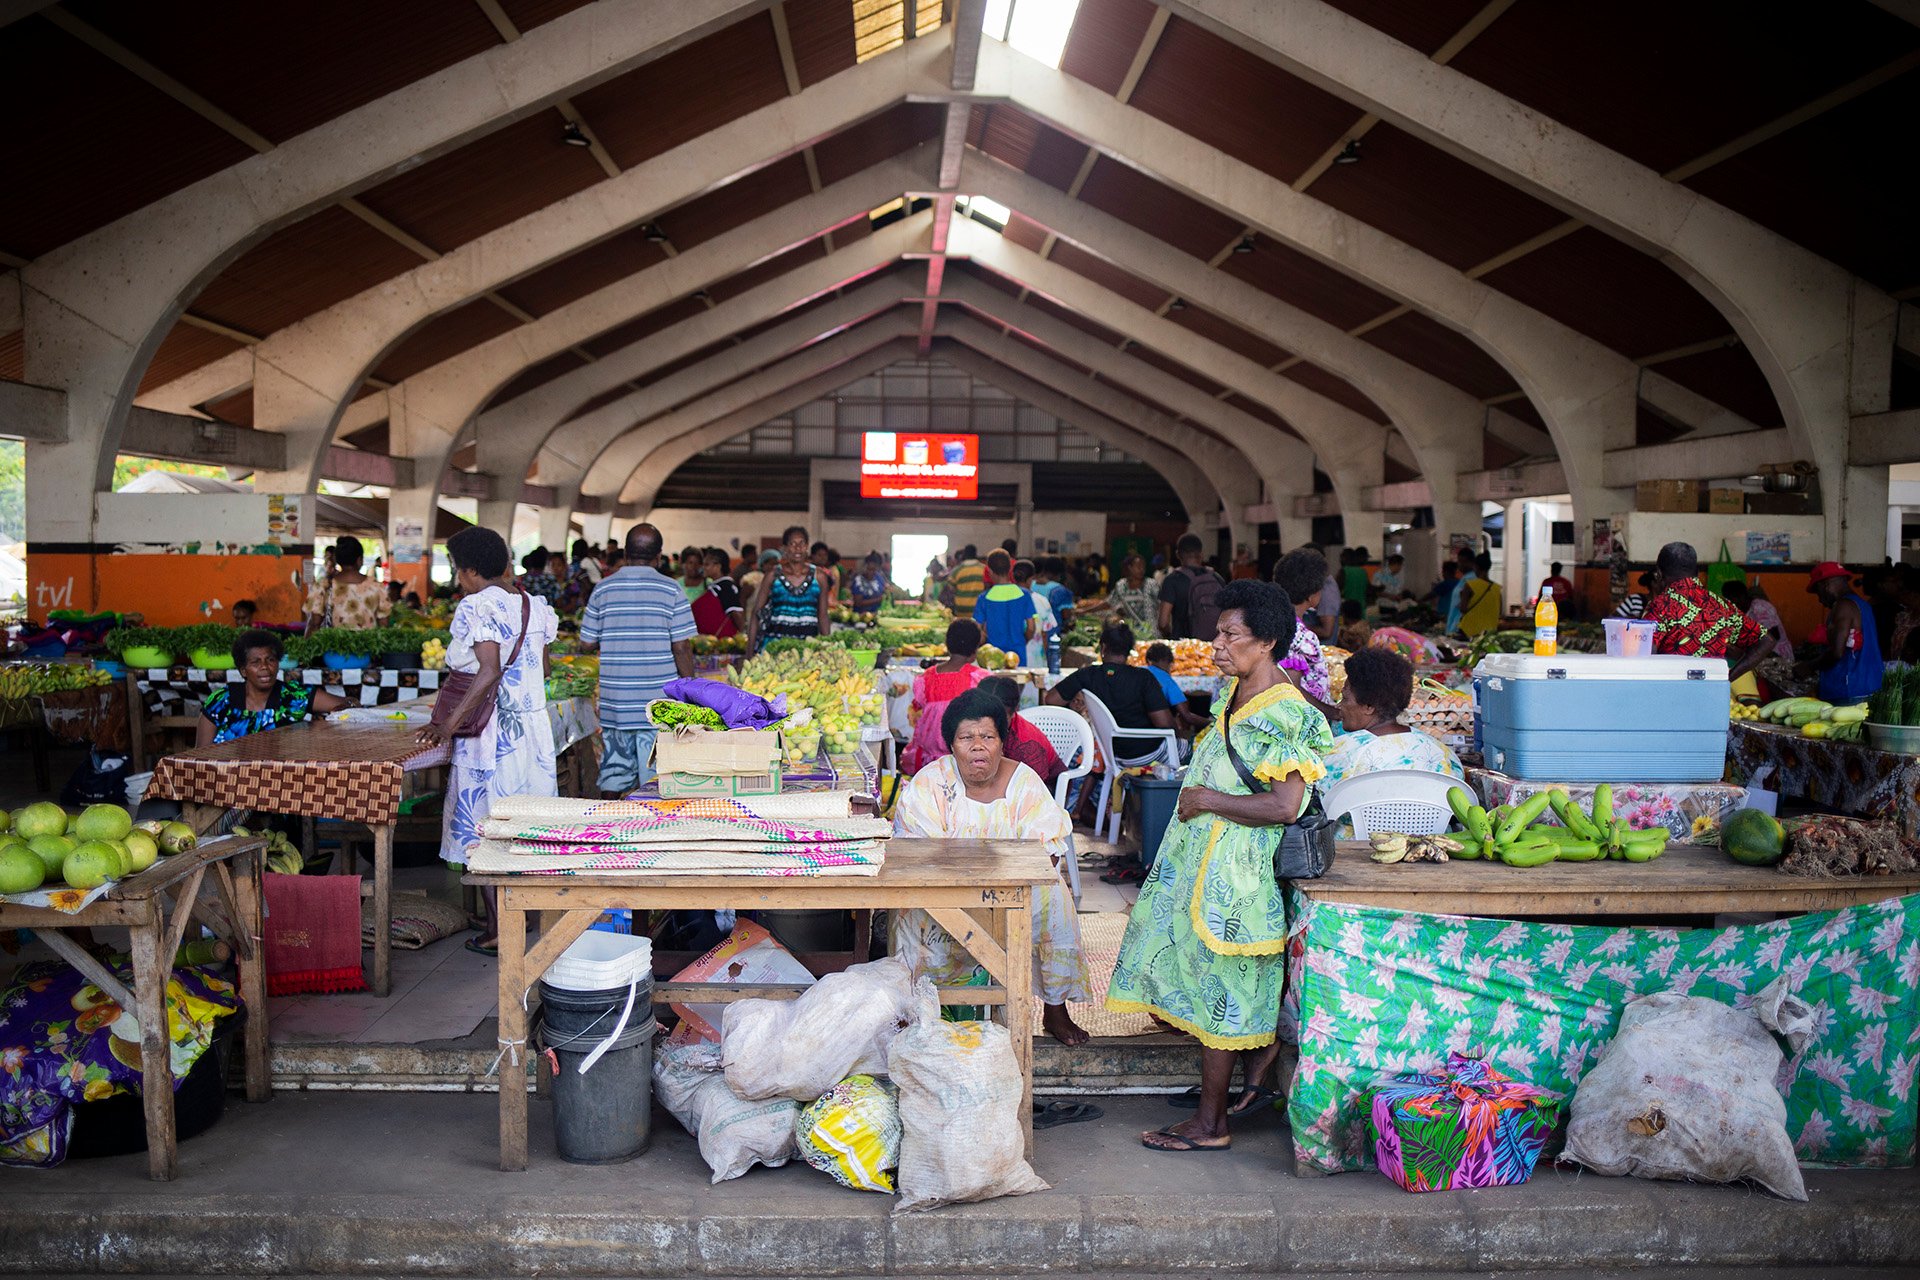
[(978, 793), (1205, 947)]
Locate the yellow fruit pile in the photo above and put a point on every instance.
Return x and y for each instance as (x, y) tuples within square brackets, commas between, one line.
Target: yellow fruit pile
[(829, 681), (433, 654), (1743, 711)]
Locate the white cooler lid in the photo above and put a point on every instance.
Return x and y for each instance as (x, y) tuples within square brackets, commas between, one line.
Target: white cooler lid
[(1598, 666)]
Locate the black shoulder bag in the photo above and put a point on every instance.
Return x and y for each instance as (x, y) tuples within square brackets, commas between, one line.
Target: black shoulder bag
[(1307, 843)]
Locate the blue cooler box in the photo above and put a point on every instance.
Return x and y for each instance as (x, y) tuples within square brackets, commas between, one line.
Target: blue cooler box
[(1584, 717)]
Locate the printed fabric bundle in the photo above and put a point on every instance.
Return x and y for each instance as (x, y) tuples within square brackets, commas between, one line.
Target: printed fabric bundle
[(1465, 1125)]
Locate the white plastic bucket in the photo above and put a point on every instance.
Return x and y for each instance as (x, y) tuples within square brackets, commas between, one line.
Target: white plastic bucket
[(601, 961), (1628, 637)]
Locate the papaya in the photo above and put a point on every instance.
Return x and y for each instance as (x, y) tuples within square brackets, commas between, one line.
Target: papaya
[(1754, 838)]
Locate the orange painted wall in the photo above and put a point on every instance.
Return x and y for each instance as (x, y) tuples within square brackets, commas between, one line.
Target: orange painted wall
[(170, 590)]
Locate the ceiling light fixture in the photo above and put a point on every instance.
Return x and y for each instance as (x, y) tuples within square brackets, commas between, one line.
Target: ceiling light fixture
[(1245, 245), (1349, 154), (573, 136), (1178, 304), (653, 233)]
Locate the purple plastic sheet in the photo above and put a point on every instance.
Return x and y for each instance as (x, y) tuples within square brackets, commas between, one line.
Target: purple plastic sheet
[(738, 708)]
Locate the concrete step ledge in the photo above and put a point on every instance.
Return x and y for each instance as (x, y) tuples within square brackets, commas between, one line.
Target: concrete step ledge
[(1308, 1228)]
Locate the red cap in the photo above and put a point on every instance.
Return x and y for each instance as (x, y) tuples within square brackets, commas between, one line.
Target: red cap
[(1824, 570)]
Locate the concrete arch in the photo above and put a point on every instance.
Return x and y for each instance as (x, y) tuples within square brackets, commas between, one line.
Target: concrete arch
[(1799, 314), (97, 308)]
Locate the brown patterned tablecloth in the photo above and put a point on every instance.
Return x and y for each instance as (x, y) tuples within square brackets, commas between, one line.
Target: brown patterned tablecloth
[(1849, 776), (350, 772)]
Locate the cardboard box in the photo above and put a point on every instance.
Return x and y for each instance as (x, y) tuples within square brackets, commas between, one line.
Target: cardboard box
[(723, 786), (718, 752), (1669, 495), (1726, 502)]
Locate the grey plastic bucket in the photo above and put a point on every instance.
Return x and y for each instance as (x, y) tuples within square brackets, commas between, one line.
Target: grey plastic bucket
[(605, 1115)]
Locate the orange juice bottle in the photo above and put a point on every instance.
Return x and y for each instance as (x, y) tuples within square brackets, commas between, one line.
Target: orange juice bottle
[(1546, 625)]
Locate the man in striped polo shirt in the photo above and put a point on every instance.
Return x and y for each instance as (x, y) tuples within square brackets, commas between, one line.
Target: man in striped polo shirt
[(641, 623)]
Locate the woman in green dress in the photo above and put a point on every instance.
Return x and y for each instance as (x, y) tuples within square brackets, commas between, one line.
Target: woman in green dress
[(1205, 949)]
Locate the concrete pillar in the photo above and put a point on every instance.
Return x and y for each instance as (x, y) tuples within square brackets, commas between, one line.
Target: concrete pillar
[(498, 514), (596, 527), (555, 528)]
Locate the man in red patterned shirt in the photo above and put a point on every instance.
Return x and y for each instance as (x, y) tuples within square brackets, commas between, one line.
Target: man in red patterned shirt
[(1690, 620)]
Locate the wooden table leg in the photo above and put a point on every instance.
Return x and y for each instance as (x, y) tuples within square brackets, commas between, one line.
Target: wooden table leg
[(252, 963), (511, 928), (151, 969), (1020, 1005), (136, 724), (383, 909)]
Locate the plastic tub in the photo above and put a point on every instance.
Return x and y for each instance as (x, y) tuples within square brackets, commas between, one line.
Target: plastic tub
[(209, 660), (1899, 739), (1628, 637), (346, 661), (146, 658), (600, 961)]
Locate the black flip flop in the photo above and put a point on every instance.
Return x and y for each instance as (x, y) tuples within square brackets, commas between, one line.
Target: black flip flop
[(1186, 1144), (1262, 1096), (1135, 874), (481, 949), (1048, 1115)]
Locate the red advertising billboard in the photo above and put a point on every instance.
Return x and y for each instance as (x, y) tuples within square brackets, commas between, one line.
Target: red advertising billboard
[(919, 465)]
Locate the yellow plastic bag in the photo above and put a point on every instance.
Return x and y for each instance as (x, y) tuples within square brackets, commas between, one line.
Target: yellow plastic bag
[(853, 1134)]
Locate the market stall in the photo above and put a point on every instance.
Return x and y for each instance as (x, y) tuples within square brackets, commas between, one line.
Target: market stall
[(217, 884), (1686, 809), (981, 892), (349, 772)]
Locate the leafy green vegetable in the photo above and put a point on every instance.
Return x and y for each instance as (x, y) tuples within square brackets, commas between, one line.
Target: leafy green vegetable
[(669, 714)]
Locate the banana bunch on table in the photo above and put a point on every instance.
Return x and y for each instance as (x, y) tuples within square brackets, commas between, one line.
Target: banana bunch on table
[(1392, 846)]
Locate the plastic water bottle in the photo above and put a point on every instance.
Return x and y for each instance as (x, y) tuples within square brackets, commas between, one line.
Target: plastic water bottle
[(1546, 625), (1053, 651)]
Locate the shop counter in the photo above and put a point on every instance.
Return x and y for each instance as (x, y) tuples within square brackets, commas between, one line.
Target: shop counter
[(216, 884), (980, 891)]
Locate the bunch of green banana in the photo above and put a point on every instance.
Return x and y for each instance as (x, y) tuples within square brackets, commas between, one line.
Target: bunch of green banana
[(1510, 834), (1392, 846)]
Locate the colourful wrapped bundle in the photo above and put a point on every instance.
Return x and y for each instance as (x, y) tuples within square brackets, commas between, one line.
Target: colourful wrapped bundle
[(1463, 1126)]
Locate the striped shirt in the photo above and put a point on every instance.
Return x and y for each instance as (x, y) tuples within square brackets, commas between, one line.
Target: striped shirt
[(635, 616), (969, 581)]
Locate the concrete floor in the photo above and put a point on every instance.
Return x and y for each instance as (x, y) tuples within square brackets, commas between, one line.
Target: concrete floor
[(334, 1183)]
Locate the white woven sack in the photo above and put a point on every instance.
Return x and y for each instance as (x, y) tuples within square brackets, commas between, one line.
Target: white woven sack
[(839, 1027), (734, 1134), (1687, 1091), (960, 1100)]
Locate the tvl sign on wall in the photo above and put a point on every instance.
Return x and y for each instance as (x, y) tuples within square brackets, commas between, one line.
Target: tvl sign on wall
[(895, 464)]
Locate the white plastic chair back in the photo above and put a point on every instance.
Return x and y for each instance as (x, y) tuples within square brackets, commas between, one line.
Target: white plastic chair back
[(1105, 728), (1413, 801), (1072, 740)]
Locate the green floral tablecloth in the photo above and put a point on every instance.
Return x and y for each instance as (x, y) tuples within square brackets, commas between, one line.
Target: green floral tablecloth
[(1374, 992)]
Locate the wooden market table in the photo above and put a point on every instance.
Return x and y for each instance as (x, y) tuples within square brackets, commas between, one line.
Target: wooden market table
[(156, 905), (1685, 880), (1849, 776), (980, 891), (351, 772)]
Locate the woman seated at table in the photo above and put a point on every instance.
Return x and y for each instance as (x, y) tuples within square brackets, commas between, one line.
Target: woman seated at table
[(1205, 947), (976, 792), (1379, 687), (261, 700), (938, 685)]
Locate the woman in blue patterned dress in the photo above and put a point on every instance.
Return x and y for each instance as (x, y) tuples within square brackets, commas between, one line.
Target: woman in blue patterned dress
[(1205, 949), (261, 700), (513, 755)]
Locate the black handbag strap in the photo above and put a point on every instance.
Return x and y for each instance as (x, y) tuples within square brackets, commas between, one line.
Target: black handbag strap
[(1253, 785)]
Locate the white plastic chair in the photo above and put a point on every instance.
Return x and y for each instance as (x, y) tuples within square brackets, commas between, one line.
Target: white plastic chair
[(1072, 740), (1411, 801), (1105, 729)]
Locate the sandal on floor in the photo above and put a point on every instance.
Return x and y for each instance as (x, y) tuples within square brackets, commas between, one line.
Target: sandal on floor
[(1181, 1142), (1047, 1115), (1251, 1100), (1135, 874), (480, 948)]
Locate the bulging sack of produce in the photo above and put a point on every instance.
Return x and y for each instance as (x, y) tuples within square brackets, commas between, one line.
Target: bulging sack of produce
[(960, 1100), (839, 1027), (1687, 1090), (853, 1134), (734, 1134)]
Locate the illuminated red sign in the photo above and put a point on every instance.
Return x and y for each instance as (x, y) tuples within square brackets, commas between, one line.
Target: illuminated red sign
[(919, 465)]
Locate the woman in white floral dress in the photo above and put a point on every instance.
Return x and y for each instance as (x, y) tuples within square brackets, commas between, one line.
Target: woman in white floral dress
[(978, 792), (513, 755)]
